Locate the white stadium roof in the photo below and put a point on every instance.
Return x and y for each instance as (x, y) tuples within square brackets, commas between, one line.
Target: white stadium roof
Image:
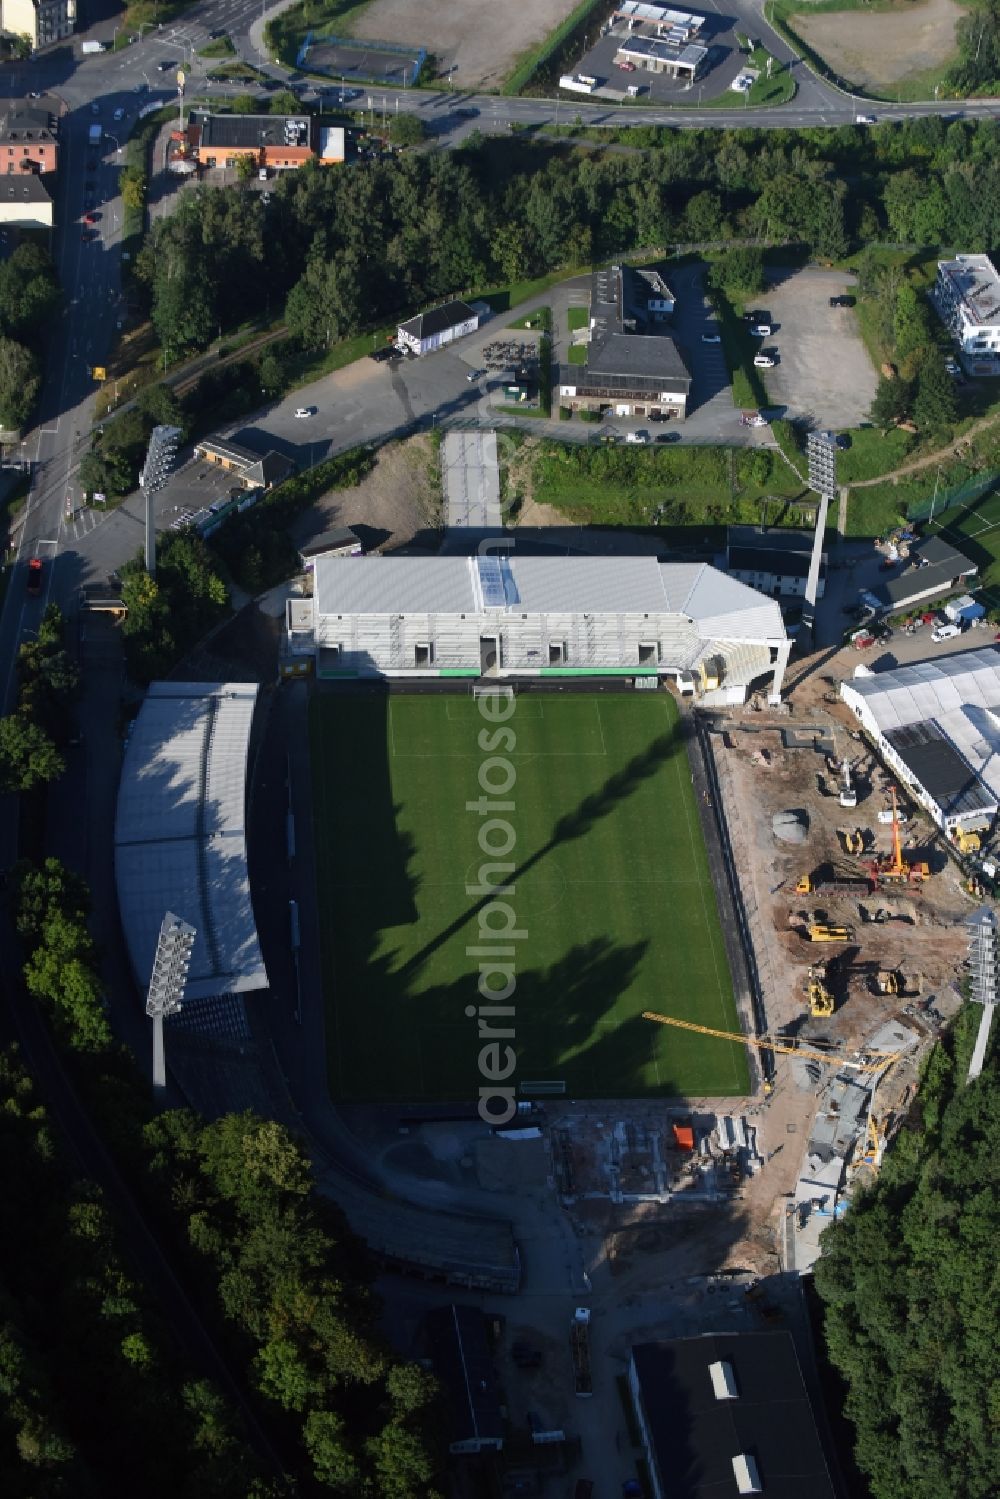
[(180, 839), (719, 606)]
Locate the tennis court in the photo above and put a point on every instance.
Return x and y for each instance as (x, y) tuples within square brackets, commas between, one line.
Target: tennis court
[(975, 531), (611, 897)]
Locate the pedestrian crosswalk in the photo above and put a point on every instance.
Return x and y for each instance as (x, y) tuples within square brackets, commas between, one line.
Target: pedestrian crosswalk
[(82, 522)]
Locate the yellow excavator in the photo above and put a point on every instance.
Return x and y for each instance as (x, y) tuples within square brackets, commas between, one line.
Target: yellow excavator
[(820, 998), (819, 932), (854, 843)]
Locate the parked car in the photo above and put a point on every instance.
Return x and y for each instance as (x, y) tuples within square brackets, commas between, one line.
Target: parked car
[(945, 632), (668, 437), (764, 361), (625, 67), (474, 375), (711, 338), (762, 330), (34, 582), (303, 411), (119, 114), (637, 437)]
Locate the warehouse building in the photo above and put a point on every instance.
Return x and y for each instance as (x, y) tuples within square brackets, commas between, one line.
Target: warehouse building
[(511, 616), (937, 725), (633, 366), (727, 1414), (180, 835), (432, 330)]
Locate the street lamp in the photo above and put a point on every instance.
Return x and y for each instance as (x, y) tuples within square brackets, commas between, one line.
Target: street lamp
[(166, 984)]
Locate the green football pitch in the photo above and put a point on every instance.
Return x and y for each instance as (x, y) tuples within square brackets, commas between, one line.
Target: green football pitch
[(611, 891)]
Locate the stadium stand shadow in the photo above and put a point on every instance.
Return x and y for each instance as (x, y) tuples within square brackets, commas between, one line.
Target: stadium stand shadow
[(373, 822)]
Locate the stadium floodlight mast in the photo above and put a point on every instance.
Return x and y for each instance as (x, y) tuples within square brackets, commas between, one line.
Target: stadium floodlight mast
[(984, 979), (159, 458), (166, 984), (821, 452)]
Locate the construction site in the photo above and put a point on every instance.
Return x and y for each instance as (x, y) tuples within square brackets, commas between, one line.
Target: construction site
[(854, 910)]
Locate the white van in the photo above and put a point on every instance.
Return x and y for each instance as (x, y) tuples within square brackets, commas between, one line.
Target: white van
[(945, 632)]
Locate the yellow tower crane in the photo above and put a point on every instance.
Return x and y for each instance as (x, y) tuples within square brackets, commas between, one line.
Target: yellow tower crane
[(767, 1043)]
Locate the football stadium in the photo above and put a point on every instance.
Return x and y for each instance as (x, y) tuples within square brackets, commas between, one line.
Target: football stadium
[(506, 879)]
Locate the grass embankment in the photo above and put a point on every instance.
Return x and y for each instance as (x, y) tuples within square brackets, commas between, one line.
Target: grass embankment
[(222, 46), (607, 840), (672, 485)]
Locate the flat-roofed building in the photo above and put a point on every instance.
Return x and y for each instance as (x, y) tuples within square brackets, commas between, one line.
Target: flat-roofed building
[(967, 297), (937, 726), (633, 366), (727, 1414), (275, 142), (661, 54)]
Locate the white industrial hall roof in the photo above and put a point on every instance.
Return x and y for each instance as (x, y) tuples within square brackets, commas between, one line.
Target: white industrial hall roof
[(180, 837), (959, 693), (719, 606)]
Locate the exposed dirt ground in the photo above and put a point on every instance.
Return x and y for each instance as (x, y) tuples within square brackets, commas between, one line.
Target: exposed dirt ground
[(879, 50), (398, 500), (478, 39), (920, 930)]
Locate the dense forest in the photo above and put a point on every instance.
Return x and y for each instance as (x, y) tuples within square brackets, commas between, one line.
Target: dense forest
[(910, 1284), (280, 1283), (344, 250), (94, 1399)]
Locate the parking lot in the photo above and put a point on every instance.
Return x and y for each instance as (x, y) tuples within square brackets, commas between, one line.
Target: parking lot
[(824, 375)]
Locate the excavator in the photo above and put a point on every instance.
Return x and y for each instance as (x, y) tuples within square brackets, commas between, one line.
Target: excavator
[(895, 870), (876, 1060), (819, 996), (854, 843), (819, 931)]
